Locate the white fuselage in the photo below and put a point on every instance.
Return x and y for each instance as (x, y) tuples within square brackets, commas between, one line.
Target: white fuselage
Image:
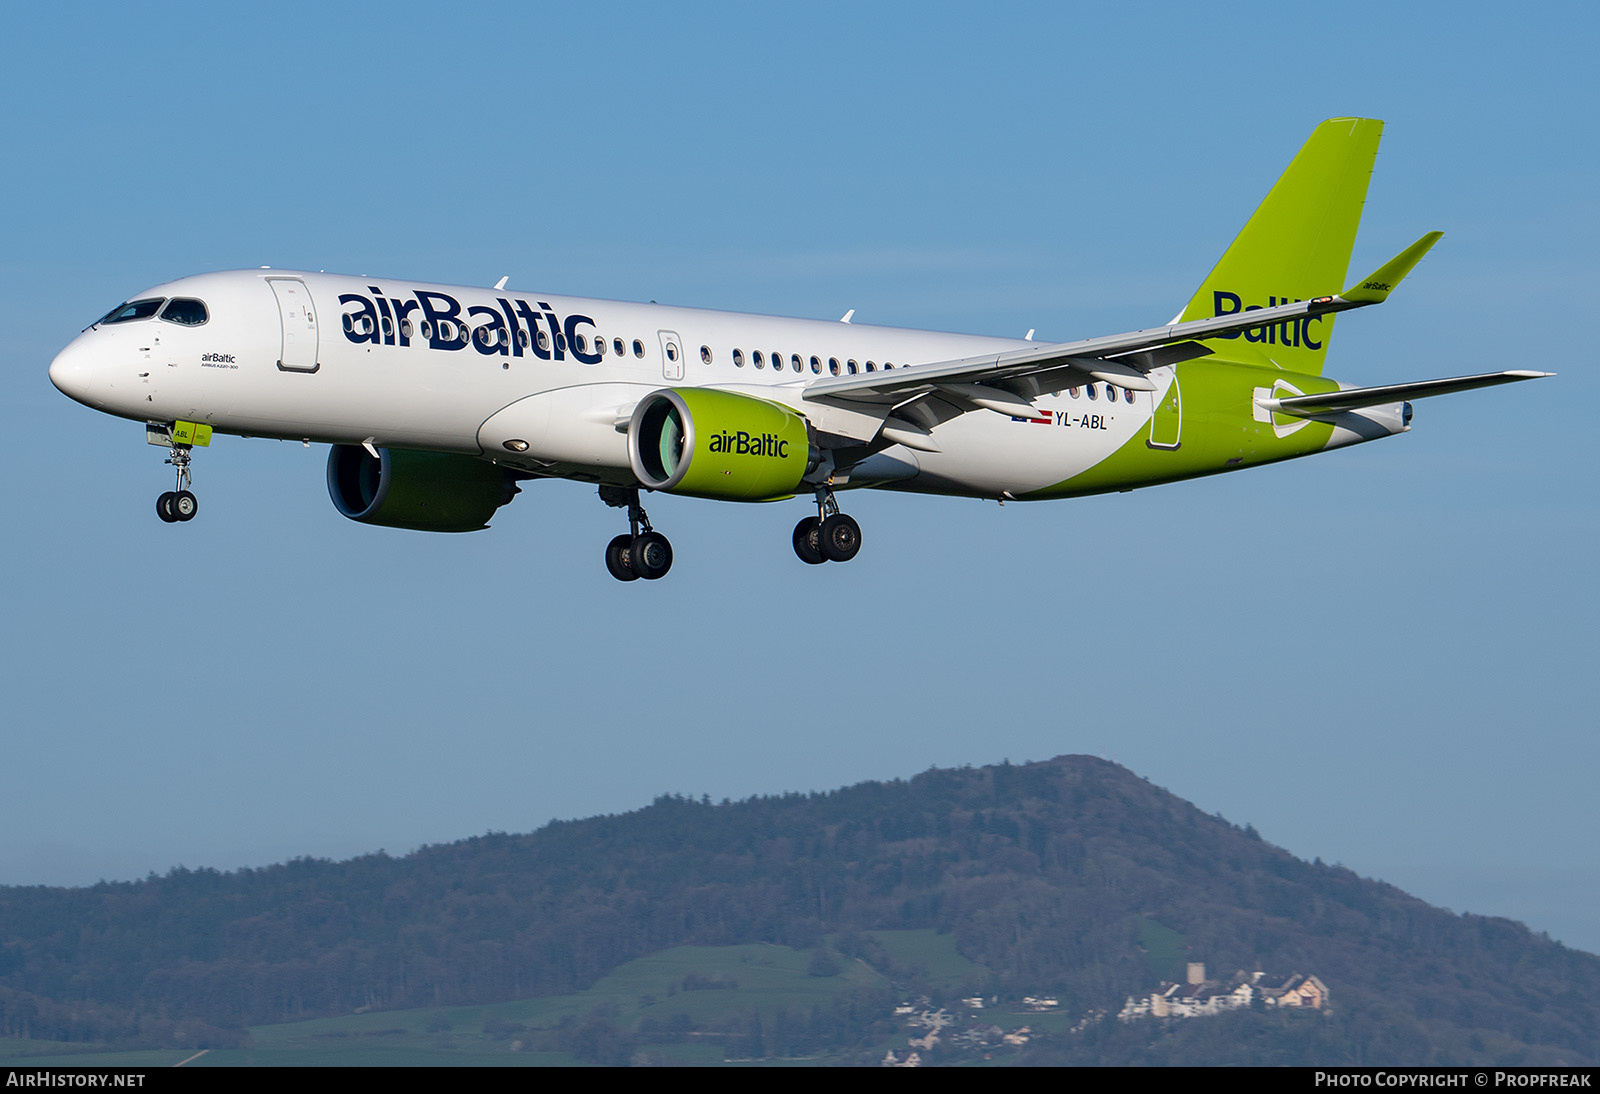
[(401, 364)]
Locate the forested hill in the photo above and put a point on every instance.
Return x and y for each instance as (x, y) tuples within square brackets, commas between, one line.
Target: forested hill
[(1051, 876)]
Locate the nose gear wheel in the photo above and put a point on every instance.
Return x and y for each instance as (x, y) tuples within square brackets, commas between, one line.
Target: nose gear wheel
[(179, 505)]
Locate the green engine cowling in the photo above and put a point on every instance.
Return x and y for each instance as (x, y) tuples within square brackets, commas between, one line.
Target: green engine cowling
[(717, 444), (426, 491)]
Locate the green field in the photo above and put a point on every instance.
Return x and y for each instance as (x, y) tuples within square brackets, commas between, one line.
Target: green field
[(1164, 949), (931, 955), (696, 999)]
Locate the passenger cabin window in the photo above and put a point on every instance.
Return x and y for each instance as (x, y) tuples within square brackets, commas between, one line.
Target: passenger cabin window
[(794, 362), (638, 348), (833, 365), (816, 365), (757, 360), (190, 313), (616, 344), (738, 358), (136, 309), (705, 355)]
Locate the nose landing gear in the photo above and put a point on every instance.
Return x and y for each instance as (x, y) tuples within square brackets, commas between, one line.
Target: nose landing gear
[(643, 552), (176, 506), (830, 536)]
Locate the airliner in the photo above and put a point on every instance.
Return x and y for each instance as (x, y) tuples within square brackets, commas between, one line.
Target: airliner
[(439, 401)]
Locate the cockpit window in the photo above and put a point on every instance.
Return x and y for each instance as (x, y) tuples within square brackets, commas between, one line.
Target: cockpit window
[(191, 313), (134, 309)]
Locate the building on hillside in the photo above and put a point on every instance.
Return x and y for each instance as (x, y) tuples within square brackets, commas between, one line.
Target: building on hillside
[(1298, 991), (1199, 996), (1018, 1036), (979, 1035)]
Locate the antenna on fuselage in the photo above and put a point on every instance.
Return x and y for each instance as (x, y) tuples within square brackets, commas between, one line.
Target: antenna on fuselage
[(498, 285), (1029, 336), (845, 318)]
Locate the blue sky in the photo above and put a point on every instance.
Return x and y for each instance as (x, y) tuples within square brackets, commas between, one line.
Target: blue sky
[(1383, 657)]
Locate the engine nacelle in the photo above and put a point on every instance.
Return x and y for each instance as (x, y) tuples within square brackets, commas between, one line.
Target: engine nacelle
[(427, 491), (717, 444)]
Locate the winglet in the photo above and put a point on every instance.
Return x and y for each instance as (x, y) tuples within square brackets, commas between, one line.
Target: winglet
[(1375, 289)]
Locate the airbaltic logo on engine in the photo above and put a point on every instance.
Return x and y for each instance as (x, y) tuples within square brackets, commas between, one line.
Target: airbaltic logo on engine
[(1290, 332), (514, 328), (744, 444)]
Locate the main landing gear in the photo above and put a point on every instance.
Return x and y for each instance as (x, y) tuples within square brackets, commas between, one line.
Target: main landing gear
[(643, 552), (830, 536), (176, 506)]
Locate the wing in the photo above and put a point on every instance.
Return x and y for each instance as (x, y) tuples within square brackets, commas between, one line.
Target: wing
[(911, 400)]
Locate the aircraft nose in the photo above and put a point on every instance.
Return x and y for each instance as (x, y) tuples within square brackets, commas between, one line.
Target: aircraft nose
[(72, 372)]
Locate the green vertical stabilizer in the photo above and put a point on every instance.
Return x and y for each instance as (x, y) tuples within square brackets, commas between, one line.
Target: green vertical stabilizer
[(1296, 246)]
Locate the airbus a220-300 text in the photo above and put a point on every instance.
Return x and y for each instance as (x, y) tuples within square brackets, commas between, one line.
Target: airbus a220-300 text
[(439, 400)]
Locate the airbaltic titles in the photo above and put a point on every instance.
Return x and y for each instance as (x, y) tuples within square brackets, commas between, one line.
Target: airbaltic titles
[(517, 328)]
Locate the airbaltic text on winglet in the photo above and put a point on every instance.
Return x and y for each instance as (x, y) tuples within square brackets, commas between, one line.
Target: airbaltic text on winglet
[(1290, 332)]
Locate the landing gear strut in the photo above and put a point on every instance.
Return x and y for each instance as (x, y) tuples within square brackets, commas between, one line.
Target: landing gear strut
[(180, 504), (643, 552), (830, 536)]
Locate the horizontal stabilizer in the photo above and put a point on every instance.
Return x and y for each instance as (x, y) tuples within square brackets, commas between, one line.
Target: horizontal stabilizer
[(1335, 402), (1376, 288)]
